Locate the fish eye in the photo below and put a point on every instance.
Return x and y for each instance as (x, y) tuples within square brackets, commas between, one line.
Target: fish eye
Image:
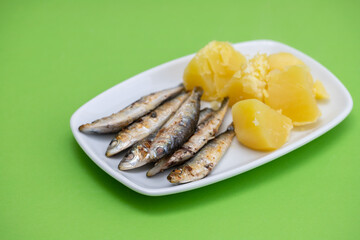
[(113, 142), (130, 156), (160, 150)]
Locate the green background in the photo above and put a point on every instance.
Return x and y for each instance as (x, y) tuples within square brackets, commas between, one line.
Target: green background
[(56, 55)]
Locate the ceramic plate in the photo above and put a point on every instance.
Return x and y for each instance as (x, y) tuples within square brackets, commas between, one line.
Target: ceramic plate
[(238, 159)]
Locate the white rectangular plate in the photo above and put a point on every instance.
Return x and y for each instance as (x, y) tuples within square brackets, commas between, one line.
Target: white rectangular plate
[(238, 158)]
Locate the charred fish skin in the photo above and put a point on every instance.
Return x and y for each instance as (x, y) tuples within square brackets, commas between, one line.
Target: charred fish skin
[(129, 114), (179, 128), (205, 131), (146, 125), (138, 155), (205, 160)]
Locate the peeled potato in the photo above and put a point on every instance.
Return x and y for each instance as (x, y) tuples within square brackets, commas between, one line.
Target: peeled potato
[(291, 91), (281, 60), (198, 73), (249, 82), (320, 91), (212, 67), (260, 127)]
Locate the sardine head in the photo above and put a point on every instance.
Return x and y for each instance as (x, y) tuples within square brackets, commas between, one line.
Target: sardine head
[(134, 159), (113, 148)]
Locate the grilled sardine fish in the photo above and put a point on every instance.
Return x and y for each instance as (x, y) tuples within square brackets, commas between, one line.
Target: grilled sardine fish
[(205, 160), (146, 125), (138, 155), (144, 105), (179, 128), (205, 131)]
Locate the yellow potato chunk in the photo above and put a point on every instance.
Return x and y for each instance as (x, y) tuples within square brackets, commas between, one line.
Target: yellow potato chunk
[(212, 67), (199, 73), (260, 127), (249, 82), (282, 60), (320, 91), (291, 92)]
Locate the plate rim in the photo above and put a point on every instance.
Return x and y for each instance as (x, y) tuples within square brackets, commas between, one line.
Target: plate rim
[(229, 173)]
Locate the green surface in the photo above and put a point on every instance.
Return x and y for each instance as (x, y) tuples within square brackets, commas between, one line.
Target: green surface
[(56, 55)]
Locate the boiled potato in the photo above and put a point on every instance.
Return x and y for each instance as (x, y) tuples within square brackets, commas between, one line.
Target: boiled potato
[(291, 92), (320, 91), (283, 59), (260, 127), (249, 82), (212, 68)]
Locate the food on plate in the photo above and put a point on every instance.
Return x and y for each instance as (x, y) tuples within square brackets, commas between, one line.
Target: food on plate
[(260, 127), (179, 128), (205, 131), (249, 81), (212, 67), (269, 94), (320, 91), (205, 113), (138, 155), (144, 126), (291, 92), (282, 60), (144, 105), (205, 160)]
